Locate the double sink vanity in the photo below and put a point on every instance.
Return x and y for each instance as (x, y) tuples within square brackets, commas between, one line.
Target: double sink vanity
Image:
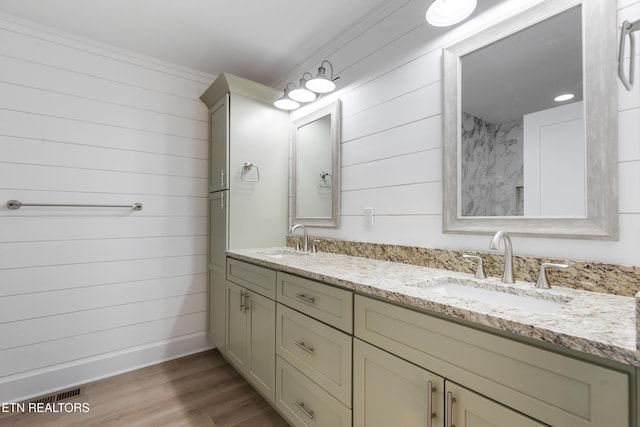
[(336, 340)]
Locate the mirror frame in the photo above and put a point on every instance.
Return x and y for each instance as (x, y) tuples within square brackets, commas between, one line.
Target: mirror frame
[(332, 110), (601, 126)]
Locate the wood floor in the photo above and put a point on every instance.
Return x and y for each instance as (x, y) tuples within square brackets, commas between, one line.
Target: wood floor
[(198, 390)]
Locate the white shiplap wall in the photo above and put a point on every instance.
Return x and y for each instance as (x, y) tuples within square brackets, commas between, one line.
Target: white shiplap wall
[(391, 92), (89, 292)]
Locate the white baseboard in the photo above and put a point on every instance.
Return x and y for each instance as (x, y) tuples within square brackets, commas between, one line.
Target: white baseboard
[(21, 387)]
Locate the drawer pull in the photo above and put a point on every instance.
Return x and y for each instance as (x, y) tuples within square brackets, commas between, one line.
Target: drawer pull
[(247, 304), (449, 414), (305, 298), (304, 347), (307, 412), (242, 301), (430, 414)]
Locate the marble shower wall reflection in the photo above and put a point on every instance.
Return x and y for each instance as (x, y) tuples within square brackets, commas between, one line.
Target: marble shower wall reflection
[(491, 159)]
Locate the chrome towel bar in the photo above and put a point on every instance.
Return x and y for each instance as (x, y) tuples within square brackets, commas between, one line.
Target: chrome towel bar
[(16, 204), (627, 30)]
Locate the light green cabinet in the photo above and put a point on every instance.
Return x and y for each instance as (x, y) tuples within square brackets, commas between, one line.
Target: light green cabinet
[(217, 311), (553, 388), (250, 337), (469, 409), (389, 391), (236, 322), (304, 403), (244, 128), (217, 268), (314, 349), (328, 304), (320, 352), (219, 145), (402, 366)]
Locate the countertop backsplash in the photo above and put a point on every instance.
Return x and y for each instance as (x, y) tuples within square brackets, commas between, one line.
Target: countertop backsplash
[(613, 279)]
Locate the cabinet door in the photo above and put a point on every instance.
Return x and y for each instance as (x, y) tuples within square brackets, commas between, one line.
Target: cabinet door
[(236, 325), (216, 328), (259, 134), (388, 391), (218, 236), (219, 145), (261, 352), (468, 409)]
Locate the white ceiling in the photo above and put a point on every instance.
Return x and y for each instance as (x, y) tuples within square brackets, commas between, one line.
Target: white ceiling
[(257, 39)]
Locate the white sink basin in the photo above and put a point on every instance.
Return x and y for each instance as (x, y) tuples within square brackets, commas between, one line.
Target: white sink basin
[(282, 253), (497, 298)]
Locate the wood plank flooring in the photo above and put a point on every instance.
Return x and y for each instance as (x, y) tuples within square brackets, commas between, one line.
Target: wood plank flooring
[(198, 390)]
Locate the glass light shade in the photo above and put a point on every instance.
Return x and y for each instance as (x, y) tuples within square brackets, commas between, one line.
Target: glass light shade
[(301, 93), (442, 13), (321, 84), (286, 103)]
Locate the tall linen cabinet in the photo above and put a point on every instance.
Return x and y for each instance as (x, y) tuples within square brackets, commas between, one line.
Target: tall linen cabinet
[(248, 180)]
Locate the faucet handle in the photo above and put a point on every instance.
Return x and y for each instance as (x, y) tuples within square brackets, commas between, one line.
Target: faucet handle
[(314, 250), (543, 280), (480, 274), (297, 243)]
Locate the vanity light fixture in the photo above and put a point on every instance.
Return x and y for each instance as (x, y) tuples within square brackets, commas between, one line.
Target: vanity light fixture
[(301, 93), (284, 102), (564, 97), (321, 83), (442, 13), (307, 90)]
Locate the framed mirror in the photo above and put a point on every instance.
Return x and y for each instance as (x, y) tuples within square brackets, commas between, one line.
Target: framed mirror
[(517, 157), (315, 168)]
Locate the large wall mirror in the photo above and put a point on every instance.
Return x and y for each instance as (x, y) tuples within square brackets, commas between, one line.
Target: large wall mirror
[(315, 168), (530, 113)]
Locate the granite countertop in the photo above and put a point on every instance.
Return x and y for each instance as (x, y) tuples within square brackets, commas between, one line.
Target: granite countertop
[(594, 323)]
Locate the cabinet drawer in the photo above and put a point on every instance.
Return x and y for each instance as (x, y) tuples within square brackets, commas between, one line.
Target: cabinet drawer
[(550, 387), (317, 350), (326, 303), (258, 279), (304, 403)]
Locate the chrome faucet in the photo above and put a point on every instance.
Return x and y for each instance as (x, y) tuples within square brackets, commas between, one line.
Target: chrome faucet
[(305, 243), (507, 275)]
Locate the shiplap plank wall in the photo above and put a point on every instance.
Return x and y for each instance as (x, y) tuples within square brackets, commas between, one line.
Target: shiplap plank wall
[(81, 123), (391, 82)]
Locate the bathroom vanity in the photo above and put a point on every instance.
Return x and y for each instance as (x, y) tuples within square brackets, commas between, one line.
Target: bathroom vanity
[(335, 340)]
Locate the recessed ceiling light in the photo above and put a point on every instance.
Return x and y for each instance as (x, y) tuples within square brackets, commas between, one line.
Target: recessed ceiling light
[(442, 13), (563, 97)]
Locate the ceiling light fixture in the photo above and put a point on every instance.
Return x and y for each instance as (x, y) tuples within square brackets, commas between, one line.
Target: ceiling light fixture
[(301, 93), (284, 102), (442, 13), (321, 83), (563, 97)]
